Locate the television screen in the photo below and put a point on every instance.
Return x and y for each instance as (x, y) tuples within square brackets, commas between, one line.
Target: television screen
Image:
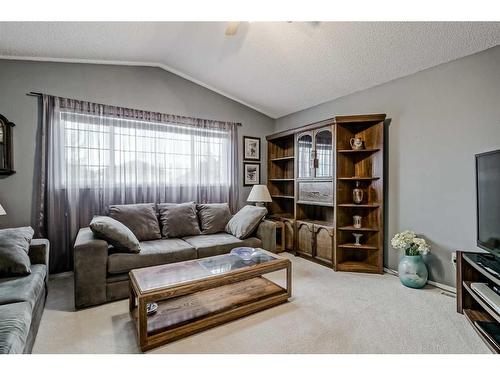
[(488, 201)]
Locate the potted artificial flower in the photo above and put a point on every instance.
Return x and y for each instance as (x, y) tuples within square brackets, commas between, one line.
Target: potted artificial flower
[(412, 270)]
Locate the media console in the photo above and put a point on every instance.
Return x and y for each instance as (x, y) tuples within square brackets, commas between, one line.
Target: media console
[(475, 268)]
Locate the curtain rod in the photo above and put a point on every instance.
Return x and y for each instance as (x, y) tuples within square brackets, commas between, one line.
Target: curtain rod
[(32, 93)]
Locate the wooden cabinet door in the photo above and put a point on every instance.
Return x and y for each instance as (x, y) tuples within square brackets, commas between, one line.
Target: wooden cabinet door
[(289, 235), (304, 238), (323, 239)]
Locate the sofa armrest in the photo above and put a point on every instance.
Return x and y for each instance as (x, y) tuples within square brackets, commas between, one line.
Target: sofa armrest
[(39, 253), (266, 232), (90, 262)]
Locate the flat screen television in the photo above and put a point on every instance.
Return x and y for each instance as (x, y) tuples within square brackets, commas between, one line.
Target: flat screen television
[(488, 201)]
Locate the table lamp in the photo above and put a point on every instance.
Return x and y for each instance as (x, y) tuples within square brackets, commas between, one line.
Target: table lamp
[(260, 195), (2, 211)]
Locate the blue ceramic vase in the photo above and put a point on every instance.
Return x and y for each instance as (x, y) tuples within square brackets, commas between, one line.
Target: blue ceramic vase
[(412, 271)]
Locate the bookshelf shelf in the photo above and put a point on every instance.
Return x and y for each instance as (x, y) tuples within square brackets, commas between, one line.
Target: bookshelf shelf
[(362, 229), (283, 158), (363, 151)]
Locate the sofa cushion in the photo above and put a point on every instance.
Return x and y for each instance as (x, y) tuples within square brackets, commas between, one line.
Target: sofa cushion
[(116, 233), (152, 253), (14, 248), (220, 243), (245, 221), (213, 217), (24, 288), (15, 321), (139, 218), (179, 220)]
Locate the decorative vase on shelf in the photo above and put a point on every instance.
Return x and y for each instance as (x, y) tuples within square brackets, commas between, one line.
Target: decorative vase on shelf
[(356, 221), (357, 237), (412, 271), (356, 143), (357, 194)]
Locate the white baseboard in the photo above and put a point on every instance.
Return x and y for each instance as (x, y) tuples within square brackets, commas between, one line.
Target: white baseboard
[(448, 288)]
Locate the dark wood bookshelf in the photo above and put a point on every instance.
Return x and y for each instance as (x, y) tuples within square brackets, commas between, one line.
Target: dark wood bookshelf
[(471, 304), (364, 166), (312, 171)]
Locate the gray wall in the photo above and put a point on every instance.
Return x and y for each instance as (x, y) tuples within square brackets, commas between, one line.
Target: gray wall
[(441, 117), (135, 87)]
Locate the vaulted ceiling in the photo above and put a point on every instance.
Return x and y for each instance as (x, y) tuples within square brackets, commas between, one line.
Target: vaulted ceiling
[(274, 67)]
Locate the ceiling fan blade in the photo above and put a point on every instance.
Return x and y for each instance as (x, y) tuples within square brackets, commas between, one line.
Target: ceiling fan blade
[(232, 28)]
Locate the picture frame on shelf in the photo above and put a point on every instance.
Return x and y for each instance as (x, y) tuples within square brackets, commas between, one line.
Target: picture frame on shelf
[(251, 174), (251, 148)]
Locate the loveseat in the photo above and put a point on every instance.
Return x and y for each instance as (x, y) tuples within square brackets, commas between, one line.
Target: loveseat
[(101, 272), (22, 299)]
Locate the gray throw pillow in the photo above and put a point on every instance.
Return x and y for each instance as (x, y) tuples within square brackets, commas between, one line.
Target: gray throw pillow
[(14, 248), (245, 221), (213, 217), (116, 233), (179, 220), (139, 218)]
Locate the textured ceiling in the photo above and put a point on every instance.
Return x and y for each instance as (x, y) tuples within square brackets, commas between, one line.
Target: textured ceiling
[(275, 67)]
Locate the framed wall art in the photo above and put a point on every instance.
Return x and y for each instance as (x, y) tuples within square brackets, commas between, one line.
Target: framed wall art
[(251, 148), (251, 174)]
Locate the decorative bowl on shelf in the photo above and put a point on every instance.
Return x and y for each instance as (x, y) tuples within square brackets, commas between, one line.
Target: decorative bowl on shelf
[(245, 253)]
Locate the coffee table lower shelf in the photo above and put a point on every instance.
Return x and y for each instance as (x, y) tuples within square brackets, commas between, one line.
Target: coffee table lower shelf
[(192, 313)]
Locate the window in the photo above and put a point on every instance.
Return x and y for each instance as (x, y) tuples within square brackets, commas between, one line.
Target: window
[(111, 152)]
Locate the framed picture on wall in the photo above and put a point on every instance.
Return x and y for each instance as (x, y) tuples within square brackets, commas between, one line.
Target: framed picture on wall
[(251, 174), (251, 148)]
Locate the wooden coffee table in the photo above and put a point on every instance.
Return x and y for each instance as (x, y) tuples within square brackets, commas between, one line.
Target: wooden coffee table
[(195, 295)]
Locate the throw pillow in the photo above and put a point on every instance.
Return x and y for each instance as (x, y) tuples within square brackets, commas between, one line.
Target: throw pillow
[(179, 220), (139, 218), (14, 248), (116, 233), (213, 217), (245, 221)]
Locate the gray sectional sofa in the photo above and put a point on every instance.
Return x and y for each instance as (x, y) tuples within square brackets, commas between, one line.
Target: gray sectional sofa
[(22, 300), (101, 272)]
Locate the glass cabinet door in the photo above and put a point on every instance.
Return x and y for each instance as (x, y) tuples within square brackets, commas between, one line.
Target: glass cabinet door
[(324, 153), (304, 148)]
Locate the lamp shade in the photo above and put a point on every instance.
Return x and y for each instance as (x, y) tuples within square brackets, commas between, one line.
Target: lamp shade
[(259, 193), (2, 211)]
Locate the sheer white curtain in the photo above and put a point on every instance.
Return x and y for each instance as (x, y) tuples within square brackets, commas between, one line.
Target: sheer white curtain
[(100, 155)]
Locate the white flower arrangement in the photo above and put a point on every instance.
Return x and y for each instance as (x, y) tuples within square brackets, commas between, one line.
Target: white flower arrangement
[(408, 242)]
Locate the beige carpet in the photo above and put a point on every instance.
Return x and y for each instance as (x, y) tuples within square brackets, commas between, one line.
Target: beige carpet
[(331, 312)]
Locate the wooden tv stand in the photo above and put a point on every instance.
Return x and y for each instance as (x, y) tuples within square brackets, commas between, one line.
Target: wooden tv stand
[(469, 302)]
